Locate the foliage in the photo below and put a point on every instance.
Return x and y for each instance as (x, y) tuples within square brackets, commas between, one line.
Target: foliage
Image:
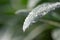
[(13, 14)]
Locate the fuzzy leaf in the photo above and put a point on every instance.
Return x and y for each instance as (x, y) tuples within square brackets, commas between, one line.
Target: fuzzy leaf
[(39, 12), (56, 34), (32, 3), (22, 12)]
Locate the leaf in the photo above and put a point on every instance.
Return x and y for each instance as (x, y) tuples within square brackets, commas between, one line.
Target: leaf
[(32, 3), (23, 12), (39, 12), (38, 30), (56, 34)]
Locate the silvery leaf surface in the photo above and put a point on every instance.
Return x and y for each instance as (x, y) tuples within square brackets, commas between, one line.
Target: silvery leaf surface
[(39, 12), (23, 12)]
